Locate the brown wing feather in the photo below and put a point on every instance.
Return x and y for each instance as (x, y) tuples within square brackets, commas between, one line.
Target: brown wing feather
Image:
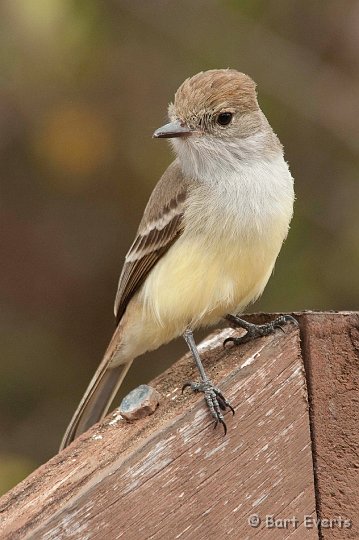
[(157, 232), (135, 272)]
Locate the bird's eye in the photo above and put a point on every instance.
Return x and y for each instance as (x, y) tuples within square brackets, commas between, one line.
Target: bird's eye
[(224, 118)]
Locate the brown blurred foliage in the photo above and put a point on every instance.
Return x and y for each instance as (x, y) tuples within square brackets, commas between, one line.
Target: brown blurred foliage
[(84, 83)]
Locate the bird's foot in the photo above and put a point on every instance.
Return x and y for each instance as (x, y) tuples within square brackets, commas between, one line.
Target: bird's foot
[(256, 330), (215, 400)]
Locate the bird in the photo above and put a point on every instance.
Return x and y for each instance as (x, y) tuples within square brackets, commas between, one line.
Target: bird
[(208, 239)]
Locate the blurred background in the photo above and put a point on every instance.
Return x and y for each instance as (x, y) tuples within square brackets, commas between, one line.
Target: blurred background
[(84, 83)]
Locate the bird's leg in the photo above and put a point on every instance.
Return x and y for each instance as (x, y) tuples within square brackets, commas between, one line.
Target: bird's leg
[(214, 398), (256, 330)]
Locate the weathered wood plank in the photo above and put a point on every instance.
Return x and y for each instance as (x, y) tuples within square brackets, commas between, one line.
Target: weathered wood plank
[(331, 351), (171, 475)]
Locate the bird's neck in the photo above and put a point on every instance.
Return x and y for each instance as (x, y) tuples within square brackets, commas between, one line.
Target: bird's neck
[(255, 197), (209, 160)]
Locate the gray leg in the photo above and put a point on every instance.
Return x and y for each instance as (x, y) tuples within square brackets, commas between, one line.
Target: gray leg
[(214, 398), (256, 330)]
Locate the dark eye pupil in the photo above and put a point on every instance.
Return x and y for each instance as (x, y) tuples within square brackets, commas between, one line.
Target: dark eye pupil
[(224, 118)]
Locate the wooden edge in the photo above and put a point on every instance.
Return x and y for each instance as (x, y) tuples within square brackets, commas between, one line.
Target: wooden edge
[(330, 345), (89, 461)]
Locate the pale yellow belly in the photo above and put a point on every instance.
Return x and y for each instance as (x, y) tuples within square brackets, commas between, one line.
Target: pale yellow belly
[(195, 285)]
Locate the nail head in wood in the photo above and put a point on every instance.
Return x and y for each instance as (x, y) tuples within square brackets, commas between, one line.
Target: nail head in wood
[(140, 402)]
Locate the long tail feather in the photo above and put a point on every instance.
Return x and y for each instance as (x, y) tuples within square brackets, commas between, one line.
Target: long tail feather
[(99, 394)]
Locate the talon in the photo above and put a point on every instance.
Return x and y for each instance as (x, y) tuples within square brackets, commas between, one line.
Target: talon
[(220, 421), (214, 398), (228, 340), (282, 320), (221, 403), (186, 385), (224, 426), (279, 327), (291, 319), (236, 341), (225, 402)]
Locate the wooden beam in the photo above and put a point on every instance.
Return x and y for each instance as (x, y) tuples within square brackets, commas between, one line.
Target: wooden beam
[(330, 345), (171, 475)]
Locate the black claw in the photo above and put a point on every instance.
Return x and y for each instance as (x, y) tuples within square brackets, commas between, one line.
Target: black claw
[(228, 340), (282, 320), (226, 404), (221, 403), (186, 385), (214, 399), (291, 319), (224, 426), (235, 341), (231, 409), (220, 421), (279, 326)]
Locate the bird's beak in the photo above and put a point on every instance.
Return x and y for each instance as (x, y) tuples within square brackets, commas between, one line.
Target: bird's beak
[(173, 129)]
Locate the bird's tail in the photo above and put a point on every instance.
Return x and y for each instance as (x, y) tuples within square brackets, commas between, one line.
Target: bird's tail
[(99, 394)]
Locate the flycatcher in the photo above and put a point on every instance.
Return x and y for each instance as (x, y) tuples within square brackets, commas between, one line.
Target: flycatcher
[(208, 239)]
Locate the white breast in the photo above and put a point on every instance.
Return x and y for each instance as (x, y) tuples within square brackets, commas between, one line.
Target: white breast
[(252, 203)]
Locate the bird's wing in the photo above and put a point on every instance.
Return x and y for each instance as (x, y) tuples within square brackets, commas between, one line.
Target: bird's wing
[(161, 225)]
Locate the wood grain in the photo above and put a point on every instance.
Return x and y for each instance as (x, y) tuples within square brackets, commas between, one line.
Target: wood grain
[(171, 475), (331, 352)]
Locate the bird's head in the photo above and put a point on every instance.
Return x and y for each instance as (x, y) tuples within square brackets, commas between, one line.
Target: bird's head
[(215, 118)]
